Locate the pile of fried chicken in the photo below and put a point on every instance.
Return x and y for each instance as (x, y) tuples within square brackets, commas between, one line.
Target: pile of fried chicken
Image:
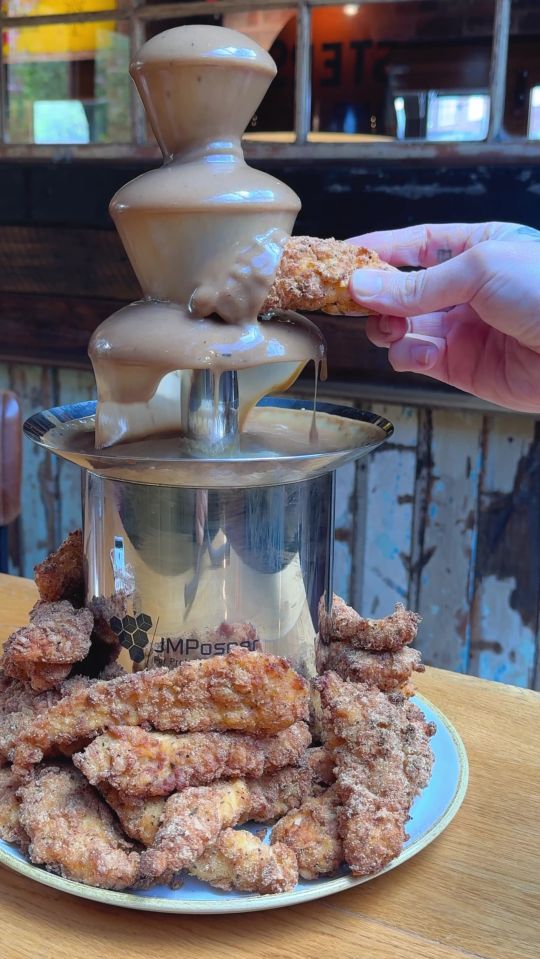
[(125, 780)]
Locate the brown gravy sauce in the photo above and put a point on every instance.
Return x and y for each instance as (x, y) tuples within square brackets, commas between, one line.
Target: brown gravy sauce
[(204, 234)]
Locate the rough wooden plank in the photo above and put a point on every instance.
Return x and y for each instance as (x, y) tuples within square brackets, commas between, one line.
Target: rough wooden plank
[(389, 494), (66, 262), (52, 330), (344, 530), (39, 522), (74, 386), (445, 534), (507, 595)]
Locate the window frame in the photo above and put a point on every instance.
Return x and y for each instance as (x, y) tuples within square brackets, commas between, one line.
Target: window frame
[(496, 146)]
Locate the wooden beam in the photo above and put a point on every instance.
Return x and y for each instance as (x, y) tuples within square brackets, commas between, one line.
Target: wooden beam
[(302, 77), (373, 150), (499, 61)]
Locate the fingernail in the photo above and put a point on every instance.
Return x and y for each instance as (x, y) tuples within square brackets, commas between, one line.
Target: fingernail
[(424, 354), (385, 325), (366, 283)]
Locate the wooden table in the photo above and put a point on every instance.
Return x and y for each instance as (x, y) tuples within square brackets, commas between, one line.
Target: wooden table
[(472, 893)]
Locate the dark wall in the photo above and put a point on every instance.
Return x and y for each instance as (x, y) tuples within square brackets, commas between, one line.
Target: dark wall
[(337, 199), (63, 268)]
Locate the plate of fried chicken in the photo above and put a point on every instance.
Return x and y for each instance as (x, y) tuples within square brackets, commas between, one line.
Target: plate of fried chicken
[(222, 785)]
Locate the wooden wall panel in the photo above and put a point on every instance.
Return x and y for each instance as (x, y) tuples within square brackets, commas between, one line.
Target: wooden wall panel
[(446, 504), (344, 530), (38, 529), (389, 502), (507, 568), (74, 386)]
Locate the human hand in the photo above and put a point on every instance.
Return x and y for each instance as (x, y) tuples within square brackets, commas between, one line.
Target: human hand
[(471, 318)]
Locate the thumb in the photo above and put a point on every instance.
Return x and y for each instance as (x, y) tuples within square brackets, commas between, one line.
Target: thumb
[(393, 293)]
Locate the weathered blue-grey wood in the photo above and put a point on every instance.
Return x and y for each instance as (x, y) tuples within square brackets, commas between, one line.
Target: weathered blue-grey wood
[(74, 386), (344, 530), (446, 503), (388, 506), (38, 529), (445, 517), (507, 568)]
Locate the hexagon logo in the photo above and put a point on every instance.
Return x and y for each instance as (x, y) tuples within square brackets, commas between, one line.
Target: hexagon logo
[(132, 634)]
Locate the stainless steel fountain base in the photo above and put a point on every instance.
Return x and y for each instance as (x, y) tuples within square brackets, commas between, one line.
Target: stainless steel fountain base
[(180, 574), (186, 555)]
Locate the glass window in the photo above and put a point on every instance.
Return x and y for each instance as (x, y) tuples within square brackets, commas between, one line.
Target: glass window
[(275, 31), (68, 83), (523, 72), (43, 8), (402, 70), (533, 131)]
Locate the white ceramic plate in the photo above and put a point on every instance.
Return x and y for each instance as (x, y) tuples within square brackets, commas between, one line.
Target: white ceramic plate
[(430, 815)]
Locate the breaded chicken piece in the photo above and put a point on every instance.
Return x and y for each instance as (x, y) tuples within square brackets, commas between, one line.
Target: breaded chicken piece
[(388, 671), (269, 797), (315, 714), (313, 275), (139, 818), (142, 763), (239, 860), (191, 821), (19, 706), (419, 757), (372, 827), (382, 759), (243, 691), (44, 652), (61, 575), (321, 762), (273, 795), (10, 825), (344, 624), (312, 832), (72, 831)]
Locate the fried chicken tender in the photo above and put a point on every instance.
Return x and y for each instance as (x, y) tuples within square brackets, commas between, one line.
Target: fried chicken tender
[(139, 818), (45, 651), (372, 827), (388, 671), (72, 831), (313, 275), (273, 795), (61, 575), (382, 760), (312, 832), (142, 763), (239, 860), (344, 624), (269, 797), (19, 707), (416, 734), (243, 691), (10, 825), (191, 821), (321, 763)]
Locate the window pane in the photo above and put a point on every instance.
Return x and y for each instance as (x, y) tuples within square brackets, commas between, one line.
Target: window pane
[(68, 83), (43, 8), (523, 73), (402, 70), (534, 114), (275, 31)]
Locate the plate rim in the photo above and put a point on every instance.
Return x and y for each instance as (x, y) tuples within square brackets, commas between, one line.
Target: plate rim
[(257, 903)]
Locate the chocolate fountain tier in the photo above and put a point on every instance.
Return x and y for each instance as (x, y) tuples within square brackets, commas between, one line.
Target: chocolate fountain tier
[(275, 447)]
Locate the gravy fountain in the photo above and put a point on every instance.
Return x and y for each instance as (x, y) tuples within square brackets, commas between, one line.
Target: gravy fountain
[(208, 509)]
